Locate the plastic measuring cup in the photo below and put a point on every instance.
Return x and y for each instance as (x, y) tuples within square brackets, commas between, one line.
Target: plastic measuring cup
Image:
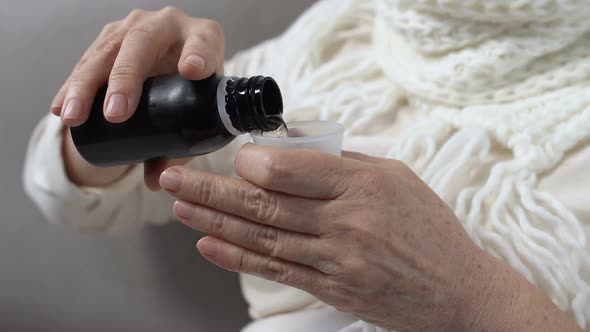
[(324, 136)]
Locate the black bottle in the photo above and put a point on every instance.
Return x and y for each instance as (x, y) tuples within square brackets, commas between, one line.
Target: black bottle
[(178, 118)]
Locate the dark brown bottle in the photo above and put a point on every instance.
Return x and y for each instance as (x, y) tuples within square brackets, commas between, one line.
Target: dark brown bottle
[(178, 118)]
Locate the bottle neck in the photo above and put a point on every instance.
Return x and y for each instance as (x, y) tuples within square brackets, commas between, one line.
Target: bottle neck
[(249, 104)]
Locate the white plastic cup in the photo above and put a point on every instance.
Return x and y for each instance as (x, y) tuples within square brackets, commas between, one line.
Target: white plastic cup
[(323, 136)]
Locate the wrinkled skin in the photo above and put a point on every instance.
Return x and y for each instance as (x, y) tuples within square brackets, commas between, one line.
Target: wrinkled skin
[(363, 234), (125, 54)]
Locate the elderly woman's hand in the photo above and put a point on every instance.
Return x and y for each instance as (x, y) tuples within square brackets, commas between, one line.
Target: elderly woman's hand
[(362, 234), (365, 236), (125, 54)]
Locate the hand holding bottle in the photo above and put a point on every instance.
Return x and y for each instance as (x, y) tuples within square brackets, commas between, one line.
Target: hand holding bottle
[(125, 54)]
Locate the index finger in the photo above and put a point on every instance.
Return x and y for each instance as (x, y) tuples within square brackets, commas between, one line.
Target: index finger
[(304, 173), (140, 51), (242, 198)]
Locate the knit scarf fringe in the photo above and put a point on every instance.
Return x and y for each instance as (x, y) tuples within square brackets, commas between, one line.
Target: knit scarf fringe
[(506, 215)]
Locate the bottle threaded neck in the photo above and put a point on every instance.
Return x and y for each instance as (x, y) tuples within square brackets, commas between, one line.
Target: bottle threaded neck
[(254, 103)]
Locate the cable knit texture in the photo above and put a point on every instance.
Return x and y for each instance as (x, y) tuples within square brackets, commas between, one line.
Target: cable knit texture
[(513, 74)]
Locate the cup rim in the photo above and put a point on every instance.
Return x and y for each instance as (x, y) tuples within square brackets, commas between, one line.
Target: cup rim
[(335, 129)]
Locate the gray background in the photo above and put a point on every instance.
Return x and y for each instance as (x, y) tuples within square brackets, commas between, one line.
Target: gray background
[(55, 280)]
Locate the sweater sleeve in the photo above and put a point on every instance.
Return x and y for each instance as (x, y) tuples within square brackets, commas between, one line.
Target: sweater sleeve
[(126, 204), (123, 205)]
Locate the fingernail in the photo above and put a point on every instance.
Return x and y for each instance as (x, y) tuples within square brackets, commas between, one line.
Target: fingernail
[(196, 61), (207, 247), (171, 180), (184, 210), (117, 105), (73, 109)]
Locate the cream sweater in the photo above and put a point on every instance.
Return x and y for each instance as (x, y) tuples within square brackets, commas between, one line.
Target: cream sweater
[(488, 101)]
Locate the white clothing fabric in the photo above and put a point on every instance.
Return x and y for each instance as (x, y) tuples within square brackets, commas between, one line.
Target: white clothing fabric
[(488, 102), (314, 320)]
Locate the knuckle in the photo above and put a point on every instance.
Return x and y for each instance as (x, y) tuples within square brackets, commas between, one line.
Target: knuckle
[(109, 28), (355, 267), (277, 271), (203, 190), (268, 238), (201, 38), (108, 48), (371, 181), (123, 75), (261, 205), (63, 89), (79, 79), (331, 267), (218, 224), (139, 32), (329, 258), (396, 163), (136, 15), (213, 27), (271, 170), (203, 41), (348, 286), (83, 61), (398, 166), (402, 169), (171, 11), (340, 296), (362, 231), (370, 176)]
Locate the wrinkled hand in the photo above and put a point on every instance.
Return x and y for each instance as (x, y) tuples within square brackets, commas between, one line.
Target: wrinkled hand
[(362, 234), (126, 53)]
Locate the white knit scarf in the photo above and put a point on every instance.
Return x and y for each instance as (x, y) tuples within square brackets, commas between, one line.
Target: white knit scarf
[(508, 73)]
